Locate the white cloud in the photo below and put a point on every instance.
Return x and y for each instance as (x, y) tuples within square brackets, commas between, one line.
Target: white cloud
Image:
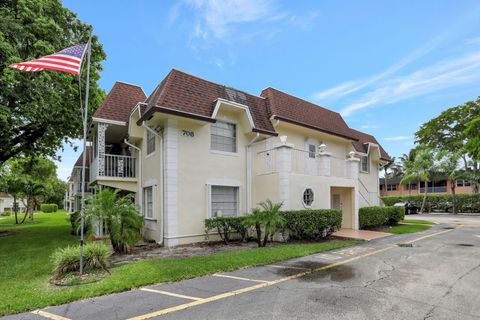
[(398, 138), (370, 126), (445, 74)]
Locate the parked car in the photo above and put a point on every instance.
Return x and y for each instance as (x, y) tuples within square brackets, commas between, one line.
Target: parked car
[(410, 208)]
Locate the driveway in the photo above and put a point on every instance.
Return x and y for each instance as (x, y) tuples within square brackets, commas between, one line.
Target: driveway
[(438, 277)]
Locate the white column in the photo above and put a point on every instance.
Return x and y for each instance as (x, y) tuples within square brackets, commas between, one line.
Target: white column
[(102, 127), (324, 164), (170, 139), (284, 168), (353, 168)]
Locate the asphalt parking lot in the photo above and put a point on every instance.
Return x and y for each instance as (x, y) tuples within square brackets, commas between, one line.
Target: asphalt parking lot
[(437, 277)]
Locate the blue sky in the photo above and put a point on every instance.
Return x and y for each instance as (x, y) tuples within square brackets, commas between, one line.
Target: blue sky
[(386, 66)]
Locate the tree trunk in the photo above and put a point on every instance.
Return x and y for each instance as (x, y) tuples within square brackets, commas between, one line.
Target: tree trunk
[(15, 208), (258, 228), (454, 197), (424, 198)]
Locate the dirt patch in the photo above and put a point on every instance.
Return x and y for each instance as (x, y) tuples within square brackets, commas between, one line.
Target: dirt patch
[(5, 233)]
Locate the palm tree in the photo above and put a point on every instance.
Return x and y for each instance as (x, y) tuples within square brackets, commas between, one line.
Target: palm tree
[(420, 169), (448, 165), (13, 185), (122, 219), (272, 219)]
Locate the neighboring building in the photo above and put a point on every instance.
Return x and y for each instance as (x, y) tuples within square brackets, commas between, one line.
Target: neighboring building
[(439, 184), (73, 194), (6, 203), (194, 149)]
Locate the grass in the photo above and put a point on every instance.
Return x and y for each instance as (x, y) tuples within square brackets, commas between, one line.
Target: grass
[(418, 222), (407, 228), (25, 266)]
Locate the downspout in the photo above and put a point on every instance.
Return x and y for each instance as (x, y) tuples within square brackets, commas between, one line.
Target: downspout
[(140, 193), (249, 172), (162, 179)]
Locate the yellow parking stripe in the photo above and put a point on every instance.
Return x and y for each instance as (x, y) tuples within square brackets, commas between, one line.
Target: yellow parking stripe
[(274, 282), (237, 278), (433, 234), (171, 294), (49, 315)]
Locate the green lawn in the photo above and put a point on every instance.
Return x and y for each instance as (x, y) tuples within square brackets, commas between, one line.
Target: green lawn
[(412, 221), (407, 228), (25, 265)]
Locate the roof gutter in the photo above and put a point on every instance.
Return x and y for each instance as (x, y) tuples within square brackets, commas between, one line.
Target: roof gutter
[(174, 112)]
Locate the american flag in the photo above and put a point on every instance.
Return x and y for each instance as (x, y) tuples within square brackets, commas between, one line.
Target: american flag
[(68, 60)]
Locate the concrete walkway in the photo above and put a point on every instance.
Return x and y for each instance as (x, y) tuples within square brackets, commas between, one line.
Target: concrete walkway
[(366, 235)]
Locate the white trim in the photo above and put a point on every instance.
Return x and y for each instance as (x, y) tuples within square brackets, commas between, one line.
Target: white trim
[(153, 184), (236, 105), (120, 123), (224, 153), (224, 182)]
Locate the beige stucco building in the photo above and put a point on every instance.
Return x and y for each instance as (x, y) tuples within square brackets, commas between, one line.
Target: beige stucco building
[(194, 149)]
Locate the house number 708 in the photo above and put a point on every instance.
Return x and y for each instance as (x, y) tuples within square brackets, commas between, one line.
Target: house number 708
[(187, 133)]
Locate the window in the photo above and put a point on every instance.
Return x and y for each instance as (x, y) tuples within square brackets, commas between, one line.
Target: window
[(311, 151), (224, 136), (150, 142), (308, 197), (365, 164), (411, 186), (463, 183), (391, 187), (224, 201), (148, 202)]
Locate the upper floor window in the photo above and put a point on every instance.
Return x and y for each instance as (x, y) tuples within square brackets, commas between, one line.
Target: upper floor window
[(150, 142), (311, 151), (365, 164), (224, 201), (224, 136)]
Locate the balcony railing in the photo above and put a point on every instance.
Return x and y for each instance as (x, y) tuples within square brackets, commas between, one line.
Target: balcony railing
[(302, 162), (114, 166), (434, 189)]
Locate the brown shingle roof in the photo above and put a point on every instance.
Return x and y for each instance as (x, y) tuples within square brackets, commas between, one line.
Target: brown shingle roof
[(292, 109), (79, 161), (182, 93), (363, 139), (120, 101)]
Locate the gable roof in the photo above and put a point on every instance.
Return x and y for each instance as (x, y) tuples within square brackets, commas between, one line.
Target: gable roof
[(286, 107), (363, 140), (79, 161), (120, 101), (184, 94)]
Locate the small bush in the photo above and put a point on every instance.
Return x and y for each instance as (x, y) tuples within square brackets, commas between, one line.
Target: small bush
[(377, 216), (6, 214), (48, 208), (312, 224), (75, 222), (226, 225), (466, 203), (67, 260)]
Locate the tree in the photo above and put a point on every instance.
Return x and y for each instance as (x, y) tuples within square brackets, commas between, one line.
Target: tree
[(40, 111), (14, 186), (420, 169), (266, 220), (121, 217), (456, 130), (448, 165)]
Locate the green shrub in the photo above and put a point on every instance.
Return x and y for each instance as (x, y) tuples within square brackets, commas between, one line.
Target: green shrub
[(439, 202), (225, 226), (312, 224), (6, 214), (377, 216), (75, 222), (48, 208), (67, 260)]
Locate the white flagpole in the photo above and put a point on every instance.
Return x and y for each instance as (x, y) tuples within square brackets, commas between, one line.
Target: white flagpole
[(84, 158)]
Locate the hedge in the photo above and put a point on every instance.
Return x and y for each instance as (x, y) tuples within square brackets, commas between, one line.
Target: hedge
[(226, 225), (48, 208), (439, 202), (377, 216), (312, 224)]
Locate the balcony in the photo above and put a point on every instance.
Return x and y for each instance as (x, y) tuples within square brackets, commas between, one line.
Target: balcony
[(116, 167), (301, 162)]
